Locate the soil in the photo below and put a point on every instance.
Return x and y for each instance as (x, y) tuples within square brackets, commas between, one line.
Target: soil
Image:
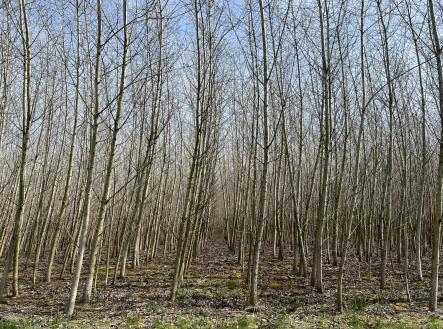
[(214, 296)]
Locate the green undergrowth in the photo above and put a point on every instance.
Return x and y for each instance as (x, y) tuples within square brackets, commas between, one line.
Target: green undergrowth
[(282, 322), (244, 322), (359, 304), (434, 323), (356, 322), (184, 323), (359, 322), (55, 323), (134, 321), (241, 323), (233, 284), (16, 325), (395, 325)]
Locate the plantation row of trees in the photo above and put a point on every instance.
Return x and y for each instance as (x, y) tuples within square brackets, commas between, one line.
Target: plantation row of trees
[(136, 129)]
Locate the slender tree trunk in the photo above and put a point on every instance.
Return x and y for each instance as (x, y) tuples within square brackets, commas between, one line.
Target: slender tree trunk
[(317, 274), (109, 167), (12, 256), (436, 225), (67, 188), (261, 217), (90, 170)]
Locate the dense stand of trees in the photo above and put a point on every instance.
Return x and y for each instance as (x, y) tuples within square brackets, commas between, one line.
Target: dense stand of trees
[(132, 130)]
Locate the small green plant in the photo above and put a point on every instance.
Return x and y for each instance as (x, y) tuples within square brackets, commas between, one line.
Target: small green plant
[(83, 326), (134, 321), (382, 297), (183, 294), (394, 325), (294, 302), (359, 304), (232, 284), (155, 307), (356, 322), (8, 325), (185, 323), (16, 325), (419, 284), (434, 323), (282, 322), (322, 320), (202, 293), (275, 285), (55, 322), (244, 322)]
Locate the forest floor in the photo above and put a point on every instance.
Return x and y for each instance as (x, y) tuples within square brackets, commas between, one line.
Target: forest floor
[(213, 296)]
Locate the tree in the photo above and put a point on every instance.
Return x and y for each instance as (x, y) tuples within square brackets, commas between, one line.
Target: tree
[(436, 225), (13, 253), (90, 169)]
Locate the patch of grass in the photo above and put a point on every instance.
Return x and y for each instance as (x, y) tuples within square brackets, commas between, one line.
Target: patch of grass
[(395, 325), (134, 321), (141, 296), (195, 292), (202, 293), (16, 325), (419, 284), (214, 282), (183, 293), (322, 321), (359, 304), (155, 307), (382, 297), (8, 325), (434, 323), (244, 322), (55, 322), (282, 322), (294, 302), (232, 284), (356, 322), (185, 323), (275, 285)]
